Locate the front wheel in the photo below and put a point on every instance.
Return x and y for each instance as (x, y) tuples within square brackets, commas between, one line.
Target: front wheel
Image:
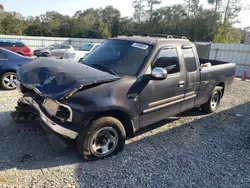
[(213, 102), (102, 138), (8, 81)]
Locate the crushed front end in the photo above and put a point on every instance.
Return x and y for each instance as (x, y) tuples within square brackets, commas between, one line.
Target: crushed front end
[(46, 85), (56, 116)]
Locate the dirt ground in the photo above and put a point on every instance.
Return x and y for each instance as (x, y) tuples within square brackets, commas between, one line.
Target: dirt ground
[(190, 150)]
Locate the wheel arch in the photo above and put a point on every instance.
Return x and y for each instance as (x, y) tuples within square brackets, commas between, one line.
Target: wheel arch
[(6, 71), (122, 116), (221, 84)]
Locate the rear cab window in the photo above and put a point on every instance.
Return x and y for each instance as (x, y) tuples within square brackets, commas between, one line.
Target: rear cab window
[(190, 60), (168, 59)]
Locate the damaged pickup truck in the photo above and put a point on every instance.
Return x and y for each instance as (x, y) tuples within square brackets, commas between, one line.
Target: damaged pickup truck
[(126, 84)]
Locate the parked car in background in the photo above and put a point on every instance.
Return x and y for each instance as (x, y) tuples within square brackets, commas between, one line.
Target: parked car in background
[(16, 46), (83, 52), (9, 63), (126, 84), (54, 50)]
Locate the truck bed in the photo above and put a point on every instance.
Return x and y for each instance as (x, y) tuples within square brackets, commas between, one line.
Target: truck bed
[(220, 73), (213, 62)]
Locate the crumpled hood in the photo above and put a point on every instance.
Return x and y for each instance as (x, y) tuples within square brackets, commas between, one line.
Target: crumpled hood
[(56, 78)]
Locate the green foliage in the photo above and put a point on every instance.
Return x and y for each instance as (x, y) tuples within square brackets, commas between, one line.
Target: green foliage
[(150, 11), (11, 23), (227, 34), (111, 17), (189, 19), (231, 11), (139, 10), (100, 30), (216, 4)]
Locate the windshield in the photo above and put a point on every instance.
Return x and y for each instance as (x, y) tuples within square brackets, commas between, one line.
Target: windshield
[(86, 47), (122, 57)]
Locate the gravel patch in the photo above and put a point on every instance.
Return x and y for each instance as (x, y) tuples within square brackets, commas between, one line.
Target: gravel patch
[(190, 150)]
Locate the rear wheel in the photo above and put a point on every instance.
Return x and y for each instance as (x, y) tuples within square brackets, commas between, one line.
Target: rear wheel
[(8, 81), (214, 101), (102, 138)]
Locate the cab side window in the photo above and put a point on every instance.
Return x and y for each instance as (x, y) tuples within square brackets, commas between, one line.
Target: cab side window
[(189, 59), (169, 60)]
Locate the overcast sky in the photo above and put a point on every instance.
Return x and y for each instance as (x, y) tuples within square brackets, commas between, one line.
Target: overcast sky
[(69, 7)]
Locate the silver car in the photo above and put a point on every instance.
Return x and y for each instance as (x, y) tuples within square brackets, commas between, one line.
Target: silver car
[(54, 50), (83, 52)]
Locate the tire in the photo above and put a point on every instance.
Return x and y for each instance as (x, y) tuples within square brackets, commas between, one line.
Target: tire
[(45, 54), (7, 79), (213, 102), (105, 131)]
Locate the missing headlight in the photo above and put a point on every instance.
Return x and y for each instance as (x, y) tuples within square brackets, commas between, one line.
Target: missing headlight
[(58, 110), (63, 113)]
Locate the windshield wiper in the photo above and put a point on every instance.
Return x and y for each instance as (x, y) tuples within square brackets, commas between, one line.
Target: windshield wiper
[(107, 69)]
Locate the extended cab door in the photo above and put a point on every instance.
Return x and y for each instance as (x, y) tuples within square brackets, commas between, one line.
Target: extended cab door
[(161, 99), (191, 62)]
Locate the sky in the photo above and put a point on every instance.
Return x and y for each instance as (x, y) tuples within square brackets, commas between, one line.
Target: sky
[(69, 7)]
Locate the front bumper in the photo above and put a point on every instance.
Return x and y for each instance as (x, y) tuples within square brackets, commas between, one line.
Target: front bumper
[(47, 121)]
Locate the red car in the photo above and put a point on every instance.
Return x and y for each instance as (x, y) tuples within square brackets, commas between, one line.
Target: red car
[(16, 46)]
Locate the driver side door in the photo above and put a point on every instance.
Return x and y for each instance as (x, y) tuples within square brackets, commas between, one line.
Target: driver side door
[(162, 99)]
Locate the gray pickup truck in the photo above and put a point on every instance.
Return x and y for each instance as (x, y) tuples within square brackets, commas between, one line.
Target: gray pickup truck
[(126, 84)]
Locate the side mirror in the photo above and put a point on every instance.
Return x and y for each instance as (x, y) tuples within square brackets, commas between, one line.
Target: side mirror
[(159, 73)]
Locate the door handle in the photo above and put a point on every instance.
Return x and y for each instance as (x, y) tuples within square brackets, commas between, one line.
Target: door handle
[(181, 84)]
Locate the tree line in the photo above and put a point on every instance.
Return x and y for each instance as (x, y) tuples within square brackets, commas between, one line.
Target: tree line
[(189, 19)]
